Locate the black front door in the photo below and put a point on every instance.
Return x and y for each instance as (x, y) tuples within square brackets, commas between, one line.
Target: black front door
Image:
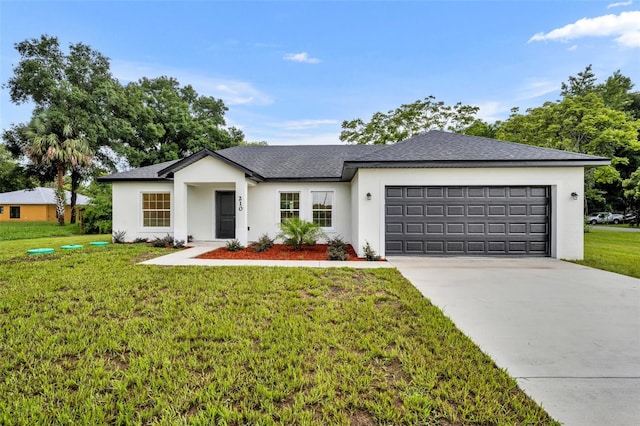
[(225, 214)]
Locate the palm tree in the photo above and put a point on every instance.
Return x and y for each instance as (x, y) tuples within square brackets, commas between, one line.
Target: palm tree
[(63, 150)]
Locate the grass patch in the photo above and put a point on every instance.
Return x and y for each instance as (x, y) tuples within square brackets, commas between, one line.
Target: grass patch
[(613, 251), (23, 230), (89, 337)]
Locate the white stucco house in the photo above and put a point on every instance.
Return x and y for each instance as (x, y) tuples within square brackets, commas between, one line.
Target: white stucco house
[(437, 193)]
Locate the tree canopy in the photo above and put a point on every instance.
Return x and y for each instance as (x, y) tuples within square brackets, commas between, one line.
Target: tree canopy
[(408, 120)]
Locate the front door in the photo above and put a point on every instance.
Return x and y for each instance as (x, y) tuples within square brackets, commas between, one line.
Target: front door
[(225, 214)]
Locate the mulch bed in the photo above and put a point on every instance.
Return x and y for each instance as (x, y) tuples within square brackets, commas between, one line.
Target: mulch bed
[(278, 252)]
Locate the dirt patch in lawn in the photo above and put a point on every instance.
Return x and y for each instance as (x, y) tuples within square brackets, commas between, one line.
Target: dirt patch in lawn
[(278, 252)]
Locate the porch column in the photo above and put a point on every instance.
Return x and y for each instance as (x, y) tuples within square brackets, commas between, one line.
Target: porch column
[(180, 212), (242, 206)]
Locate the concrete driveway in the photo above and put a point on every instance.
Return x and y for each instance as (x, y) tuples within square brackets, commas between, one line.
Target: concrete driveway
[(569, 334)]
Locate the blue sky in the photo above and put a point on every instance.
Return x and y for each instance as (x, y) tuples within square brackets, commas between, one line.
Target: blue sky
[(291, 72)]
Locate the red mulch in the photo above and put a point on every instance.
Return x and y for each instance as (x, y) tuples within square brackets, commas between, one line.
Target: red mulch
[(277, 252)]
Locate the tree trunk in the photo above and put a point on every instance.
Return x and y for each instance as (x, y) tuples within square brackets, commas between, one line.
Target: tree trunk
[(60, 198), (75, 183)]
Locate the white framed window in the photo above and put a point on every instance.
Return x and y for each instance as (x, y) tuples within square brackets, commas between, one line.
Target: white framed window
[(289, 205), (322, 208), (156, 209)]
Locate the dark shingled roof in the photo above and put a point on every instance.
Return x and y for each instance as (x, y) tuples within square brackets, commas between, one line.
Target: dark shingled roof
[(298, 161), (339, 162)]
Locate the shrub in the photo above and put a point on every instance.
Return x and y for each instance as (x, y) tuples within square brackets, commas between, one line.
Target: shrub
[(140, 240), (369, 253), (296, 232), (119, 236), (96, 217), (337, 249), (234, 245), (163, 242), (178, 244), (263, 244)]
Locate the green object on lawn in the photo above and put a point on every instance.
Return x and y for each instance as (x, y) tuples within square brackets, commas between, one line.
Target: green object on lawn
[(40, 251), (98, 243), (71, 247)]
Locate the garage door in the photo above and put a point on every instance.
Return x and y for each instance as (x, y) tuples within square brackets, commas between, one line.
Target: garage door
[(469, 220)]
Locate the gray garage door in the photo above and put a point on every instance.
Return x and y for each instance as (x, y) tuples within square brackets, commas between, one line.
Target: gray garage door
[(467, 220)]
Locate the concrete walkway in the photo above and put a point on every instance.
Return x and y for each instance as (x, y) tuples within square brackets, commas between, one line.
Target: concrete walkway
[(569, 334), (187, 257)]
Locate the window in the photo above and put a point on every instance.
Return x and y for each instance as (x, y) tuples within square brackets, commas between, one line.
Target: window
[(322, 208), (156, 209), (1, 209), (14, 212), (289, 205)]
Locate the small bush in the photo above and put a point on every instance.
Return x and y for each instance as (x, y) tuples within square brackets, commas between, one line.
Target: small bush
[(234, 245), (140, 240), (263, 244), (163, 242), (189, 238), (119, 236), (337, 249), (369, 253), (178, 244), (296, 232)]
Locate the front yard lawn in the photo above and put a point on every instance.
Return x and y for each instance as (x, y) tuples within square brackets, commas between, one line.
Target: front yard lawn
[(613, 251), (89, 337), (22, 230)]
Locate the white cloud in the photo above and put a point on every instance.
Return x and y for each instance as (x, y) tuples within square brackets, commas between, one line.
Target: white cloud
[(301, 57), (620, 4), (625, 27), (304, 124), (572, 48), (232, 92), (492, 111), (536, 88)]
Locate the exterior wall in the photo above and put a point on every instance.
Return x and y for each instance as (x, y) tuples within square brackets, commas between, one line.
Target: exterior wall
[(207, 174), (127, 208), (36, 213), (356, 197), (567, 238), (264, 213)]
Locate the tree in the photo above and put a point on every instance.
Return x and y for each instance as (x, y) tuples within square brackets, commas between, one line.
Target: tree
[(47, 147), (67, 87), (583, 83), (632, 193), (13, 176), (408, 120), (482, 128), (160, 121)]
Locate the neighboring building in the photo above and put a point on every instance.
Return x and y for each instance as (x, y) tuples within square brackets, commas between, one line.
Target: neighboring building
[(437, 193), (35, 205)]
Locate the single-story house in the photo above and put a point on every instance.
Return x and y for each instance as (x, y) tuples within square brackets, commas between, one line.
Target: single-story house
[(437, 193), (35, 205)]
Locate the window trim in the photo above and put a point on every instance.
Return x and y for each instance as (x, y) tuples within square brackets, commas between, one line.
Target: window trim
[(280, 209), (170, 210), (1, 209), (332, 210), (12, 209)]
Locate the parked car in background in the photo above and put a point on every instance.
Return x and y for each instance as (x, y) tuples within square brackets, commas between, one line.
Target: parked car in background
[(605, 217)]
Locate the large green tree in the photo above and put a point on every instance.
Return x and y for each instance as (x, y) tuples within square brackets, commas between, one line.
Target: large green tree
[(408, 120), (160, 120), (13, 175), (62, 149), (71, 88), (590, 118)]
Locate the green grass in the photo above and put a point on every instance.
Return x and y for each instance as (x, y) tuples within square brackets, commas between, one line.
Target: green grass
[(23, 230), (89, 337), (613, 251)]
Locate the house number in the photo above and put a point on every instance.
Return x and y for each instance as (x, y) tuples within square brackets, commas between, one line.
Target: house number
[(239, 203)]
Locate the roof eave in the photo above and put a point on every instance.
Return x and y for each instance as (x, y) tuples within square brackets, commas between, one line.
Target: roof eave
[(179, 165), (106, 179), (349, 167)]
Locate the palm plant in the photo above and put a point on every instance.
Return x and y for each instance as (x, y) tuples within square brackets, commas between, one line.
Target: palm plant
[(295, 232), (62, 149)]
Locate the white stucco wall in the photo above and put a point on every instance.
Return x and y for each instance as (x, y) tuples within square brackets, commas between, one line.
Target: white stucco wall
[(127, 208), (194, 187), (264, 214), (567, 238)]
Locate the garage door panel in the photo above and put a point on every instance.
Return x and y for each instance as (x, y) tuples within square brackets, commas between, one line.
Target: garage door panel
[(456, 220)]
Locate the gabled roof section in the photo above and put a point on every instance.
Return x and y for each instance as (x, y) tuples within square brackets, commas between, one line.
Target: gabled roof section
[(39, 195), (297, 162), (181, 164), (147, 173)]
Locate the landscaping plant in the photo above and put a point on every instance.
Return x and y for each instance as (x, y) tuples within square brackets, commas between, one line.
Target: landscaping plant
[(369, 253), (234, 245), (263, 244), (296, 232), (337, 249)]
